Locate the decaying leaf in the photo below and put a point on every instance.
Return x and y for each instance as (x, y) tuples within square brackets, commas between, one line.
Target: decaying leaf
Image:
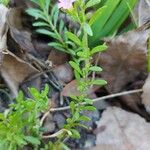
[(22, 35), (122, 130), (144, 11), (15, 71), (146, 94), (125, 58), (3, 30)]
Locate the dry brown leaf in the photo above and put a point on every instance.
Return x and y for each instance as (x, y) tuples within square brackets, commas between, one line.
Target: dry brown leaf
[(15, 71), (122, 130), (144, 11), (124, 59), (21, 3), (19, 30), (3, 30), (146, 94)]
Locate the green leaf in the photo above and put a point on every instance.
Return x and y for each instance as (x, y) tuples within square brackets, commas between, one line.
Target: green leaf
[(47, 32), (87, 29), (92, 3), (89, 101), (72, 107), (47, 4), (38, 24), (84, 118), (4, 2), (76, 115), (65, 147), (2, 117), (75, 134), (61, 26), (54, 44), (58, 46), (73, 38), (99, 82), (32, 140), (97, 14), (56, 13), (96, 68), (69, 120), (75, 66), (89, 108), (107, 22), (99, 48), (20, 97), (34, 92), (77, 75), (36, 13), (83, 54), (44, 93)]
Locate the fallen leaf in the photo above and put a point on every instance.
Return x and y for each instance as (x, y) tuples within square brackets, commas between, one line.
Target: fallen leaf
[(15, 71), (3, 30), (144, 12), (146, 94), (20, 33), (21, 3), (125, 58), (122, 130)]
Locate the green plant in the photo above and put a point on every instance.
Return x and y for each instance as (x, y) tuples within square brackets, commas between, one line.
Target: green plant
[(4, 2), (109, 18), (47, 23), (78, 47), (20, 125)]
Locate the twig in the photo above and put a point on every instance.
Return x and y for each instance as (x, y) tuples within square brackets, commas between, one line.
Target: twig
[(94, 100), (44, 117), (67, 108), (55, 134), (99, 99)]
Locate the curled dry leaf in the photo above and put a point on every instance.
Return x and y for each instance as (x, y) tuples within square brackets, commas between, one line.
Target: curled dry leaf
[(19, 32), (146, 94), (122, 130), (15, 71), (3, 30), (125, 58)]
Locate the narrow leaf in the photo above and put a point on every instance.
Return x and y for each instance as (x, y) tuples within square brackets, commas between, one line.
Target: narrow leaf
[(73, 37), (98, 49), (92, 3)]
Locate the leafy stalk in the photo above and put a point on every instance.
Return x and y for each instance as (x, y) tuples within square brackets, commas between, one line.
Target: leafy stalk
[(78, 47), (47, 24)]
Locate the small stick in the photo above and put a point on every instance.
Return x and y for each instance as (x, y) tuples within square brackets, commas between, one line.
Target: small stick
[(100, 98), (67, 108)]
